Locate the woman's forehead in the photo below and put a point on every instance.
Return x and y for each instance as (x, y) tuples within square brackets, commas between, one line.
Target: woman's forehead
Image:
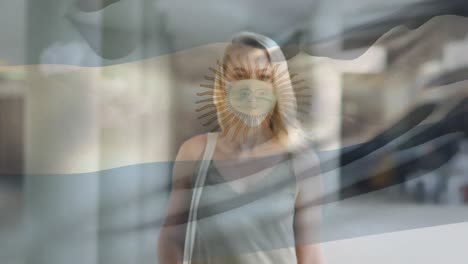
[(244, 53), (253, 84)]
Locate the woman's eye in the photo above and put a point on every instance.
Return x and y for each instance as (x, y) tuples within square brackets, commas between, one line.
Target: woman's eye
[(264, 77), (240, 76)]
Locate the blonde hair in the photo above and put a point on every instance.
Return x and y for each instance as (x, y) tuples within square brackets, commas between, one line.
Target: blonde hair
[(283, 122)]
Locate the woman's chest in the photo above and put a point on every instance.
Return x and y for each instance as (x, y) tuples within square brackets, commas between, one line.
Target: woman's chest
[(234, 168), (259, 198)]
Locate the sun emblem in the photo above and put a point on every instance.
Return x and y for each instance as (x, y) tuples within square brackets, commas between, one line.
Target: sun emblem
[(244, 98)]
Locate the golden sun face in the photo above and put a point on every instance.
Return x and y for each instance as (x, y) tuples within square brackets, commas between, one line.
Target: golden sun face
[(244, 98)]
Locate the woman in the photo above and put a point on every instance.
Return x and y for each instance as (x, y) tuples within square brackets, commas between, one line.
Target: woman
[(237, 196)]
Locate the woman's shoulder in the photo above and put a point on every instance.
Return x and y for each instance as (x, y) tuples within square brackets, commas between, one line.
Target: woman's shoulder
[(192, 148), (305, 157), (188, 156)]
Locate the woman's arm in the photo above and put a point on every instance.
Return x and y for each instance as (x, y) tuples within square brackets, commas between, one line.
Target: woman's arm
[(172, 235), (307, 213)]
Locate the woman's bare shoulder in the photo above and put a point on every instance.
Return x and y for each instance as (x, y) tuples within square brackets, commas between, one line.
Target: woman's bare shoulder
[(189, 154), (192, 148)]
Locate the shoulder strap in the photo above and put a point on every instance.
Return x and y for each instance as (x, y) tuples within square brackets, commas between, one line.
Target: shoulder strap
[(207, 157), (196, 193), (306, 168), (302, 159), (295, 171)]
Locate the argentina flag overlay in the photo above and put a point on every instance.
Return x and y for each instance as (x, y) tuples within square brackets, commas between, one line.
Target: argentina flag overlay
[(144, 131)]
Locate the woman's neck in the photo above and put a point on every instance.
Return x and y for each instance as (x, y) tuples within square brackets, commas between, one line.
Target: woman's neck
[(242, 148)]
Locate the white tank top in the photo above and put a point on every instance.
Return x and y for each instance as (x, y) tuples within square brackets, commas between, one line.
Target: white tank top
[(233, 226)]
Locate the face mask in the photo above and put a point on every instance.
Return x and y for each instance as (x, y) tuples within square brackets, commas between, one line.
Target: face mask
[(244, 99), (251, 100)]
